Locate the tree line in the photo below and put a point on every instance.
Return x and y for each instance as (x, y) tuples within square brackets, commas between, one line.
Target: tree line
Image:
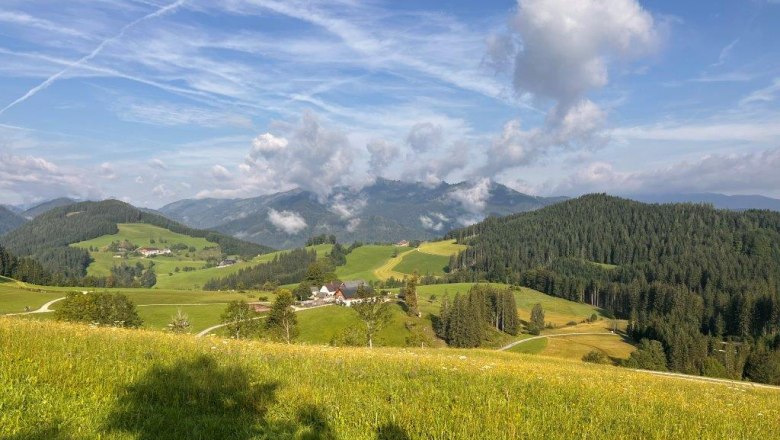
[(467, 320)]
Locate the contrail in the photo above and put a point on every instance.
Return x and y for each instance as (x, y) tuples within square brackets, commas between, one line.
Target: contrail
[(162, 11)]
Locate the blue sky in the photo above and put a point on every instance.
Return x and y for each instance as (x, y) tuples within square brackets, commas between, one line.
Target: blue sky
[(152, 101)]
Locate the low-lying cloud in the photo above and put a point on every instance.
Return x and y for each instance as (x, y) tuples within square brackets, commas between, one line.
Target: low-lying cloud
[(288, 221)]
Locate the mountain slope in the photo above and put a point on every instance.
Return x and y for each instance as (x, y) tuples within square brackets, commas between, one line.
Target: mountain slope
[(47, 206), (9, 220), (719, 201), (385, 211), (47, 237)]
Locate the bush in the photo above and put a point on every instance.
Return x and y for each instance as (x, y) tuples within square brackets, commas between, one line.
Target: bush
[(534, 330), (571, 323), (596, 357), (114, 310)]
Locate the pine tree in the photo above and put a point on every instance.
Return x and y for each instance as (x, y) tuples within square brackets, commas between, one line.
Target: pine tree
[(410, 295), (537, 318)]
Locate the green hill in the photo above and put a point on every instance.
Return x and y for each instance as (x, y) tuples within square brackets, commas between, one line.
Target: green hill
[(71, 381), (690, 276), (48, 236), (9, 220)]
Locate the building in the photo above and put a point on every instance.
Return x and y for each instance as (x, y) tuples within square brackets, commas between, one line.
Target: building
[(347, 292), (226, 262), (402, 243), (151, 252)]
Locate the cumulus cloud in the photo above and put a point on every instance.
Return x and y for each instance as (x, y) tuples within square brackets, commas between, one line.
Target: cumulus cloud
[(562, 53), (306, 155), (218, 172), (288, 221), (425, 136), (566, 46), (748, 172), (381, 156), (474, 198)]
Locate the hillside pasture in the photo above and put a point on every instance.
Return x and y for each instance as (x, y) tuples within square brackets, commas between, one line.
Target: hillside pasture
[(364, 260), (444, 248), (73, 381), (422, 263)]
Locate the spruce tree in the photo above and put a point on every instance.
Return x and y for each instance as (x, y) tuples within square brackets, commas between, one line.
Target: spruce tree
[(410, 295)]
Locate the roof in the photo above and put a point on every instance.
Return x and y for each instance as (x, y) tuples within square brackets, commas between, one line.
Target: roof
[(349, 288)]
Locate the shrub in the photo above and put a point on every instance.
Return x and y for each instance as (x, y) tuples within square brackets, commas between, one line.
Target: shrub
[(595, 357), (115, 310)]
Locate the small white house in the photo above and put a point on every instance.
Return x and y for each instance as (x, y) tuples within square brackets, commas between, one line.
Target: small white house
[(150, 252)]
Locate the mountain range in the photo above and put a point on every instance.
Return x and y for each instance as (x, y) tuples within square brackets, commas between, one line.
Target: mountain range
[(386, 211)]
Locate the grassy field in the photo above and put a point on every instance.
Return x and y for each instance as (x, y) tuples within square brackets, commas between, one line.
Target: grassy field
[(320, 325), (363, 261), (531, 347), (445, 248), (422, 263), (14, 298), (64, 381)]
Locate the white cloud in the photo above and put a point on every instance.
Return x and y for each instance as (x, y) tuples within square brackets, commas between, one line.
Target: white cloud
[(474, 198), (218, 172), (429, 223), (382, 153), (158, 164), (162, 192), (346, 208), (288, 221), (425, 136), (107, 171), (563, 53), (353, 224), (307, 155)]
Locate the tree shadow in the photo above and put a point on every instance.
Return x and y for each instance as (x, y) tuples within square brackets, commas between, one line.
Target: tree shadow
[(48, 431), (198, 399), (391, 431)]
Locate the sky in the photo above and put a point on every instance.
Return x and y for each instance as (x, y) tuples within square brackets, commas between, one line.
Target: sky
[(152, 101)]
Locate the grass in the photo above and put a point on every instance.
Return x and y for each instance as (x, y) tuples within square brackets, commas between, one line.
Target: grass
[(70, 381), (422, 263), (445, 248), (531, 347), (575, 347), (201, 316), (387, 270), (363, 261), (13, 299), (319, 326)]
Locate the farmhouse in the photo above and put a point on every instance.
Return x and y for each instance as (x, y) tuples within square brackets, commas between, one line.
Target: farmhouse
[(226, 262), (151, 252), (327, 292), (347, 292), (402, 243)]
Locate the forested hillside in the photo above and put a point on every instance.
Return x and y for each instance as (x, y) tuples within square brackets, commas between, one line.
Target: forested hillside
[(703, 282), (22, 269), (9, 220), (46, 238)]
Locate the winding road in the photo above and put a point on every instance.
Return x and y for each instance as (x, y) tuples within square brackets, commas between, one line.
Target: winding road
[(43, 309)]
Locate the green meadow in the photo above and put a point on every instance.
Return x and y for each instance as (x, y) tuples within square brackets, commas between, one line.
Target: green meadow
[(63, 381)]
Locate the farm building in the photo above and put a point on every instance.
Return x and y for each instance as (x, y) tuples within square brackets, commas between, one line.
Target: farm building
[(151, 252)]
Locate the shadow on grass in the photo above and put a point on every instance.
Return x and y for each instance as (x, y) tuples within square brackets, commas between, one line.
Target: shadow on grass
[(198, 399), (391, 431), (48, 431)]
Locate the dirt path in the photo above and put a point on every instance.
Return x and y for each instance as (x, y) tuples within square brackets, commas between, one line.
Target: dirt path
[(43, 309), (386, 271), (557, 335)]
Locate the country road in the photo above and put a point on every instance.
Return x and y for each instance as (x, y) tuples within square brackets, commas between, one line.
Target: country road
[(43, 309), (214, 327), (557, 335)]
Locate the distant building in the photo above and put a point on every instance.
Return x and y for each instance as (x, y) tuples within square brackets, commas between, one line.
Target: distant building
[(402, 243), (150, 252), (226, 262)]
